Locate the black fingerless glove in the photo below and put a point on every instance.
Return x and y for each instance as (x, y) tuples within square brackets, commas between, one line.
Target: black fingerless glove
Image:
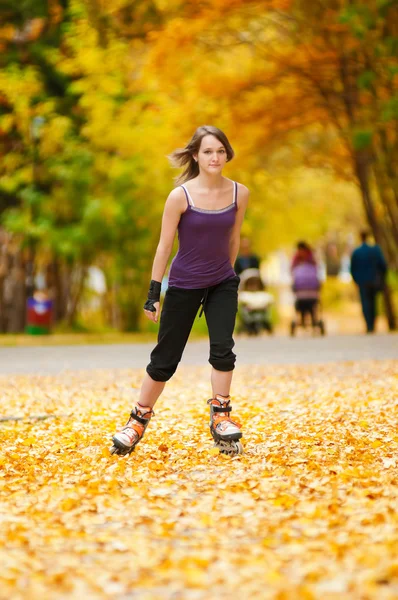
[(153, 295)]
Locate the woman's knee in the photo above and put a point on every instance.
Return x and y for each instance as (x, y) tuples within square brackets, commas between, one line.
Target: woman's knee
[(161, 373), (222, 358)]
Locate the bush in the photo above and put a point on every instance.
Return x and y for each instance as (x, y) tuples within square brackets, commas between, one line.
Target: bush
[(337, 295)]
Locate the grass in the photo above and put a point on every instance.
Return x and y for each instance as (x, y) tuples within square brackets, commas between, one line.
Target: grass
[(72, 339), (78, 338)]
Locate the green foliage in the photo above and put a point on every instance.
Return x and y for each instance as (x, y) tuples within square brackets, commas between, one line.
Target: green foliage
[(115, 87), (23, 10), (362, 139), (359, 18), (366, 79), (390, 109)]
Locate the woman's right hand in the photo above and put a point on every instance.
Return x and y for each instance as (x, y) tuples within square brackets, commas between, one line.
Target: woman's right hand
[(153, 315)]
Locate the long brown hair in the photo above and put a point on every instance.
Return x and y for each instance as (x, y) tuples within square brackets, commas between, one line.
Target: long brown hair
[(184, 156)]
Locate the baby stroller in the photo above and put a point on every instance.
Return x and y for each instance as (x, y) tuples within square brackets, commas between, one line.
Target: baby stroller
[(306, 287), (254, 303)]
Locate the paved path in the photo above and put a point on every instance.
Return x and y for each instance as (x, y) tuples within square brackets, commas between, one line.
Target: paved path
[(263, 350)]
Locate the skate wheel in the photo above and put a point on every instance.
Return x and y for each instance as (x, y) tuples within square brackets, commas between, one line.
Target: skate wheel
[(119, 451), (229, 448), (239, 448)]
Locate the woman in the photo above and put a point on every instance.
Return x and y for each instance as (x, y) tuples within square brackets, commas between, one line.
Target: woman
[(306, 284), (208, 211)]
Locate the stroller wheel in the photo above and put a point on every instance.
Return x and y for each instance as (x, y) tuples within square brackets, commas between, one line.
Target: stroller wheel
[(292, 328), (256, 329), (268, 327), (322, 327)]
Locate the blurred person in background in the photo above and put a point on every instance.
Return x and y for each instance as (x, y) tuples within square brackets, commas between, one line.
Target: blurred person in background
[(303, 254), (368, 270), (254, 303), (306, 286), (207, 210), (246, 258)]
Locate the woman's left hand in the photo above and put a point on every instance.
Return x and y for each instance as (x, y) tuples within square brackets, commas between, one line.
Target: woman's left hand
[(153, 315)]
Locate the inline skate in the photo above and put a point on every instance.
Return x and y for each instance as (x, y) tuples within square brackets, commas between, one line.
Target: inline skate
[(125, 440), (225, 432)]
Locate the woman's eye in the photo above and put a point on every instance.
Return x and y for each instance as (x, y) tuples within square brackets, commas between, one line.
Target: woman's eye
[(222, 151)]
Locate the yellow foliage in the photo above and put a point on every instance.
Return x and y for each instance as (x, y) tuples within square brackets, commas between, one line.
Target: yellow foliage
[(308, 511)]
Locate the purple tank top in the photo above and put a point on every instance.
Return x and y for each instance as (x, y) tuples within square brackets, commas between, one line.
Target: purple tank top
[(203, 256)]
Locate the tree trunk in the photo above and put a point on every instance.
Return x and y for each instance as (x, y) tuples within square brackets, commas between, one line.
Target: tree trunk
[(362, 172), (57, 288), (16, 317), (131, 297), (3, 273), (2, 305), (75, 296), (361, 164), (389, 308), (115, 319), (387, 198)]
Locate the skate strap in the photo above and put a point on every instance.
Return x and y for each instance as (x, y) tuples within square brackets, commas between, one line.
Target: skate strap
[(137, 417), (222, 418), (221, 409)]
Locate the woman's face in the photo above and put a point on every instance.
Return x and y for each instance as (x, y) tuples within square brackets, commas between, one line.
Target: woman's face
[(212, 155)]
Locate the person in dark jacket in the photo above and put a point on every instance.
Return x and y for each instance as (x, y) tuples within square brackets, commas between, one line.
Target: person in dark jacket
[(368, 270), (246, 259)]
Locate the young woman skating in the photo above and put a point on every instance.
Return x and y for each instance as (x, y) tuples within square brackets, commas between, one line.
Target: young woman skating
[(207, 210)]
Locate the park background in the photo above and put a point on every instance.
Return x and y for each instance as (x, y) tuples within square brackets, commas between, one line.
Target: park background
[(95, 95)]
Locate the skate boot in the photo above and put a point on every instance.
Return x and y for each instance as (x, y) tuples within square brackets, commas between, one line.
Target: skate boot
[(226, 433), (125, 440)]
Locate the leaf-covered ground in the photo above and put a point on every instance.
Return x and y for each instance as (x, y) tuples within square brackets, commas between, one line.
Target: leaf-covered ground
[(309, 511)]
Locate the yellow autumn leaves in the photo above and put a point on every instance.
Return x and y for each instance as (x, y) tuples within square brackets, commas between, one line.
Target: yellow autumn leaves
[(309, 511)]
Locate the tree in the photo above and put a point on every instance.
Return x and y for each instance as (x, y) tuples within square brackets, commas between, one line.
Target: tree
[(300, 66), (74, 189)]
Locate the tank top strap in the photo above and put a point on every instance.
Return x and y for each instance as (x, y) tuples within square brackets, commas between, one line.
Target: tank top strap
[(187, 195), (191, 203), (235, 201)]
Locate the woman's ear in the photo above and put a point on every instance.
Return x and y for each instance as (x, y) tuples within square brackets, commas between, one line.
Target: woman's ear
[(195, 157)]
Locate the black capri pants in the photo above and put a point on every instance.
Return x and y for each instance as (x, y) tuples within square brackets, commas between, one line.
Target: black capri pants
[(220, 305)]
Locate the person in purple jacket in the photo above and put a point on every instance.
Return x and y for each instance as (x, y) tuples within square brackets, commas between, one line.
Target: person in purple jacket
[(207, 210)]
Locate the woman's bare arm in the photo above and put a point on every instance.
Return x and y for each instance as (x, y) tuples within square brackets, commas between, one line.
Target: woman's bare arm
[(174, 207)]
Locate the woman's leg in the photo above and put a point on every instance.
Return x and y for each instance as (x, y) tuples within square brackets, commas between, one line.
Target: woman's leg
[(220, 310), (178, 314), (314, 313), (150, 391), (221, 382)]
